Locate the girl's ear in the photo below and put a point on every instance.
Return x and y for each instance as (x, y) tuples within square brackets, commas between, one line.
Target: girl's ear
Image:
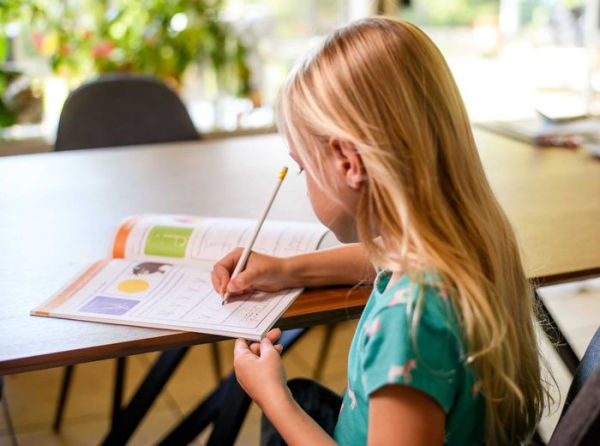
[(348, 162)]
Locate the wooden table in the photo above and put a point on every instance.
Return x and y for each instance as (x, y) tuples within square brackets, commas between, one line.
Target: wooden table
[(58, 212)]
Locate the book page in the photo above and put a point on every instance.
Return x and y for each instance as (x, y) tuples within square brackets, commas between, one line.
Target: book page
[(200, 240), (163, 295), (164, 281)]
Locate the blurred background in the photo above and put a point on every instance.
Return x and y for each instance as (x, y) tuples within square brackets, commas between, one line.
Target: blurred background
[(515, 61), (228, 58)]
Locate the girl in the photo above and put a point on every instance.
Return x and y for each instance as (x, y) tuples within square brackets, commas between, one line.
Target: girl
[(445, 350)]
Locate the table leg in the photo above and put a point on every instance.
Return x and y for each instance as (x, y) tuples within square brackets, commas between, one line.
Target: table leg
[(130, 417), (62, 400), (227, 422), (120, 366)]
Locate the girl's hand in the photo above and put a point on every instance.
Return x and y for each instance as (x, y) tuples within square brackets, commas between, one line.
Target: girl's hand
[(262, 272), (259, 370)]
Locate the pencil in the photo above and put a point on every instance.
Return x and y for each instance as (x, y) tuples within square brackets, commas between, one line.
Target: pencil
[(241, 264)]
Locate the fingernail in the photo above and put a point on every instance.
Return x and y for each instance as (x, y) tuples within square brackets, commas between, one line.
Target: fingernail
[(231, 287)]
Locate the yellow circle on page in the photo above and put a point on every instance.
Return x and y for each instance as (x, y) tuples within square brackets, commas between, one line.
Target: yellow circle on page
[(133, 286)]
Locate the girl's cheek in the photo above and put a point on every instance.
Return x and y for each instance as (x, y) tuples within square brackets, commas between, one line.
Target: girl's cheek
[(310, 193)]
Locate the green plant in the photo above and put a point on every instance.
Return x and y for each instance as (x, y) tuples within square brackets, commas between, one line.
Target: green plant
[(8, 12), (157, 37)]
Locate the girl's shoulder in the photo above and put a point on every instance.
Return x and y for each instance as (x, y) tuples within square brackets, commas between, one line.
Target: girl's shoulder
[(426, 288), (422, 297), (409, 335)]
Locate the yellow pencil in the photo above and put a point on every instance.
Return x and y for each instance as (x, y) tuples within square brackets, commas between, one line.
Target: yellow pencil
[(244, 258)]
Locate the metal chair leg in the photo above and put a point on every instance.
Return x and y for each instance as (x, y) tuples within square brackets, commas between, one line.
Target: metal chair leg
[(120, 364), (130, 417), (64, 391)]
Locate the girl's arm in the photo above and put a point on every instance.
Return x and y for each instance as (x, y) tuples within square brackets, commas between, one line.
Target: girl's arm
[(343, 265), (404, 415), (260, 372), (398, 414), (294, 425)]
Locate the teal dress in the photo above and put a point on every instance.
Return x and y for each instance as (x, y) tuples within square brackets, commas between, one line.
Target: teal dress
[(383, 353)]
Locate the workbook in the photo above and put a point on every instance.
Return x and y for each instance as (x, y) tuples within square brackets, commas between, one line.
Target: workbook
[(159, 276)]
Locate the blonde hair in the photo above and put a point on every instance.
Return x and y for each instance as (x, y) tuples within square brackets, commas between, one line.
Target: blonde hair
[(384, 86)]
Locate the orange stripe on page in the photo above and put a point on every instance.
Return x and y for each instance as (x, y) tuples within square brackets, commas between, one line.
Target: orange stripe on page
[(122, 235), (75, 286)]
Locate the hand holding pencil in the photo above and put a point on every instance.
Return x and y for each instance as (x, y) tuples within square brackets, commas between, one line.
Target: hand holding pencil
[(241, 263)]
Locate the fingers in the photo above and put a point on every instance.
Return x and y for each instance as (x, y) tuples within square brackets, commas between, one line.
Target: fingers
[(219, 278), (242, 282), (274, 334), (266, 347), (222, 270), (255, 348), (240, 348)]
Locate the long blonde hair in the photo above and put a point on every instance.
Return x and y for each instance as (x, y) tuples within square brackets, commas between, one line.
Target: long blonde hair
[(384, 86)]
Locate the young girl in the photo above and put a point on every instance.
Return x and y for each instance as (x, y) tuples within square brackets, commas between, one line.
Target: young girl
[(445, 350)]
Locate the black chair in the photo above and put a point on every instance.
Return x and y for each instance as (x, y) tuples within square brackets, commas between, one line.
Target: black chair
[(588, 365), (579, 424), (119, 110)]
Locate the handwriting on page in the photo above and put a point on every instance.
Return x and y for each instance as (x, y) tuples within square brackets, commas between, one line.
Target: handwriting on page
[(168, 294)]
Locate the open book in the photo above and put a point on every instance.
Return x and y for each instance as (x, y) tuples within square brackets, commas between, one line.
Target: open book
[(159, 276)]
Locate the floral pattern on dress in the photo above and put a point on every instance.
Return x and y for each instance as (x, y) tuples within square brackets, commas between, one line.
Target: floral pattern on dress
[(373, 327), (352, 397), (401, 296), (403, 371)]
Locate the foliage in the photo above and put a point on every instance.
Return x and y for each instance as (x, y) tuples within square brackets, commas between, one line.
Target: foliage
[(8, 11), (157, 37)]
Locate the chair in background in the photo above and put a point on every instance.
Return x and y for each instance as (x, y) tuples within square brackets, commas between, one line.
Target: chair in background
[(588, 365), (120, 110), (579, 424)]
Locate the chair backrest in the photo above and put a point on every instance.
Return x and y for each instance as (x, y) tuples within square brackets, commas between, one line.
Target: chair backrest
[(580, 425), (589, 363), (122, 109), (579, 422)]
